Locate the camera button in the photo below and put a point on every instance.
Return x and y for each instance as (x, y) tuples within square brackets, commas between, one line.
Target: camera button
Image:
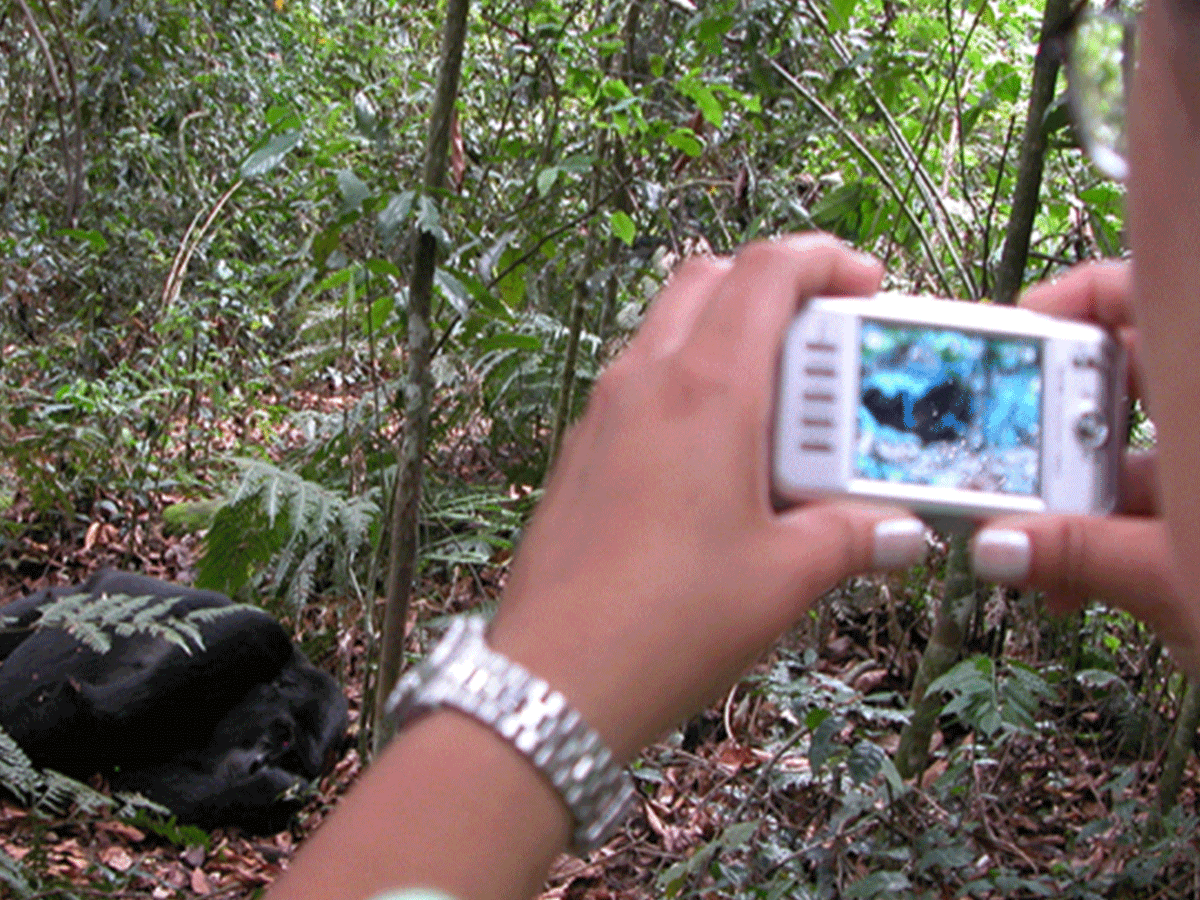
[(1091, 429)]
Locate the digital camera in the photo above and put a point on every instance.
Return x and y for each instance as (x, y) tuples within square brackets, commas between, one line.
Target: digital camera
[(952, 409)]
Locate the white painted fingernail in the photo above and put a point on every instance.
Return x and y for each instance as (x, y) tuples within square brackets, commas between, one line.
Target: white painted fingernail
[(1001, 554), (898, 543)]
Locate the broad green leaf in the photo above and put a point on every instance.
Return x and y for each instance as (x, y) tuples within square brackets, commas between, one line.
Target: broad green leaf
[(453, 290), (622, 226), (697, 91), (840, 12), (381, 309), (615, 89), (269, 156), (877, 884), (354, 190), (510, 341), (392, 217), (865, 761), (384, 268), (546, 179), (334, 279), (93, 238), (684, 139)]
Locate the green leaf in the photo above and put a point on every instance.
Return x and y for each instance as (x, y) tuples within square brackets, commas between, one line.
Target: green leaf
[(546, 179), (453, 290), (94, 239), (510, 341), (380, 311), (684, 139), (710, 107), (354, 190), (840, 12), (821, 747), (865, 761), (334, 279), (269, 156), (392, 217), (879, 883), (622, 226), (384, 268), (615, 89)]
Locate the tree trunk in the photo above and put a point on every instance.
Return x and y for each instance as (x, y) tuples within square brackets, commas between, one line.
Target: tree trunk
[(1011, 273), (402, 556), (942, 652), (1181, 748), (960, 598)]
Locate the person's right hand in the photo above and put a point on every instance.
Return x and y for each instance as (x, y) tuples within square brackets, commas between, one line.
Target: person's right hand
[(1125, 559)]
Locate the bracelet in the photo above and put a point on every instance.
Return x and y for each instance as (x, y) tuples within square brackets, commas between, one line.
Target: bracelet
[(463, 673)]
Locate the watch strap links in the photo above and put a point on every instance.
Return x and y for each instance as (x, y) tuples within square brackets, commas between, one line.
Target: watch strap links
[(463, 673)]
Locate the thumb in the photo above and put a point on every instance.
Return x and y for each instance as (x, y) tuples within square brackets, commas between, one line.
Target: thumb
[(826, 542), (1123, 560)]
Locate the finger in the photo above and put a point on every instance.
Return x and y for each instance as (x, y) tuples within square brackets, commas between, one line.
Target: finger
[(1126, 561), (1098, 293), (1093, 292), (674, 311), (740, 329), (826, 542), (1139, 483)]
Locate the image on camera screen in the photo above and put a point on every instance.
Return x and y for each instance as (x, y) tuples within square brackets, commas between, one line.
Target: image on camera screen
[(949, 409)]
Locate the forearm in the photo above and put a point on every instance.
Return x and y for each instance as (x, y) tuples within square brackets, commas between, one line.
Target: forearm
[(449, 805)]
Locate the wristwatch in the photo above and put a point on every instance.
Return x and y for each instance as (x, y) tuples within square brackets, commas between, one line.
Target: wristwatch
[(463, 673)]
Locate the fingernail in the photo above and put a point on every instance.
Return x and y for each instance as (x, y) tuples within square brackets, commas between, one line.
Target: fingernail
[(1001, 554), (898, 543)]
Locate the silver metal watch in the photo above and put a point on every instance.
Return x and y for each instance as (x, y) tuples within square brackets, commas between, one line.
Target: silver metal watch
[(463, 673)]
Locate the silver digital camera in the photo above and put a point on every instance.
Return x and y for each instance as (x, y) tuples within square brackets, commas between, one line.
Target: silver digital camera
[(952, 409)]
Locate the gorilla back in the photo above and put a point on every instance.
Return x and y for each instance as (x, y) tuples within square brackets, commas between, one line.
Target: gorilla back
[(224, 732)]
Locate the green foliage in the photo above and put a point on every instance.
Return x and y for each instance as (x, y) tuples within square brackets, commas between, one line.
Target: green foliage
[(993, 698), (282, 530), (92, 620)]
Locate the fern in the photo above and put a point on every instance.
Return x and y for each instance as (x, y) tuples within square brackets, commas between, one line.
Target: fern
[(281, 528), (92, 620), (46, 791)]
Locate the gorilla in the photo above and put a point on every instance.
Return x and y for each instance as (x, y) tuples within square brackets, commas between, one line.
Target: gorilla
[(228, 731), (942, 413)]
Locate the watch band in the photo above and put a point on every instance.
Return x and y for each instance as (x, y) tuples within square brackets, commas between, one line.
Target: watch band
[(463, 673)]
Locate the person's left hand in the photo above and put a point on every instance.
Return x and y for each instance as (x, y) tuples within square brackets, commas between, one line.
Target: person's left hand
[(1125, 559), (655, 569)]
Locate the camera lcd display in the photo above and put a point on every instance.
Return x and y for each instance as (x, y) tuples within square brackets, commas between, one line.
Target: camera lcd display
[(949, 409)]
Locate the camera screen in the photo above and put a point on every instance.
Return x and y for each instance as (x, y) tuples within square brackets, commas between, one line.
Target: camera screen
[(949, 409)]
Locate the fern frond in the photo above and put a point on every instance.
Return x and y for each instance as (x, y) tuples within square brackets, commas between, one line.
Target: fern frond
[(62, 793), (17, 772)]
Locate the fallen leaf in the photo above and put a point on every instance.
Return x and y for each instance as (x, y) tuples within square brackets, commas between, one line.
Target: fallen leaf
[(122, 829), (200, 883), (116, 858)]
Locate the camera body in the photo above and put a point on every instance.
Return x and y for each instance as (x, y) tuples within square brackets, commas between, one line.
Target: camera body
[(952, 409)]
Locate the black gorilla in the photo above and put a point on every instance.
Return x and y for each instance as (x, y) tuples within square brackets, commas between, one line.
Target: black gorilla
[(942, 413), (226, 734)]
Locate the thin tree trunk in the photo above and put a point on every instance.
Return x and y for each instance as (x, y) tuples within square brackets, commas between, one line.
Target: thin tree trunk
[(402, 557), (942, 652), (960, 597), (1181, 748), (1011, 273), (579, 297)]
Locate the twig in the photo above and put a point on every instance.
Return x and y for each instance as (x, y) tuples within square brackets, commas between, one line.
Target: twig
[(872, 163)]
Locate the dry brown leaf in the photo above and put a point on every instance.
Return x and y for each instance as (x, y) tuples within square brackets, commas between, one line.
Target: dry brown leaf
[(116, 858), (122, 830), (200, 883)]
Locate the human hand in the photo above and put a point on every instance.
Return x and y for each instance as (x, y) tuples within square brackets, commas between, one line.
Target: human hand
[(1125, 559), (655, 570)]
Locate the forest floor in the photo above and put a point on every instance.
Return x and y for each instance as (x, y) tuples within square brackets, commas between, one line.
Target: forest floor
[(770, 792)]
